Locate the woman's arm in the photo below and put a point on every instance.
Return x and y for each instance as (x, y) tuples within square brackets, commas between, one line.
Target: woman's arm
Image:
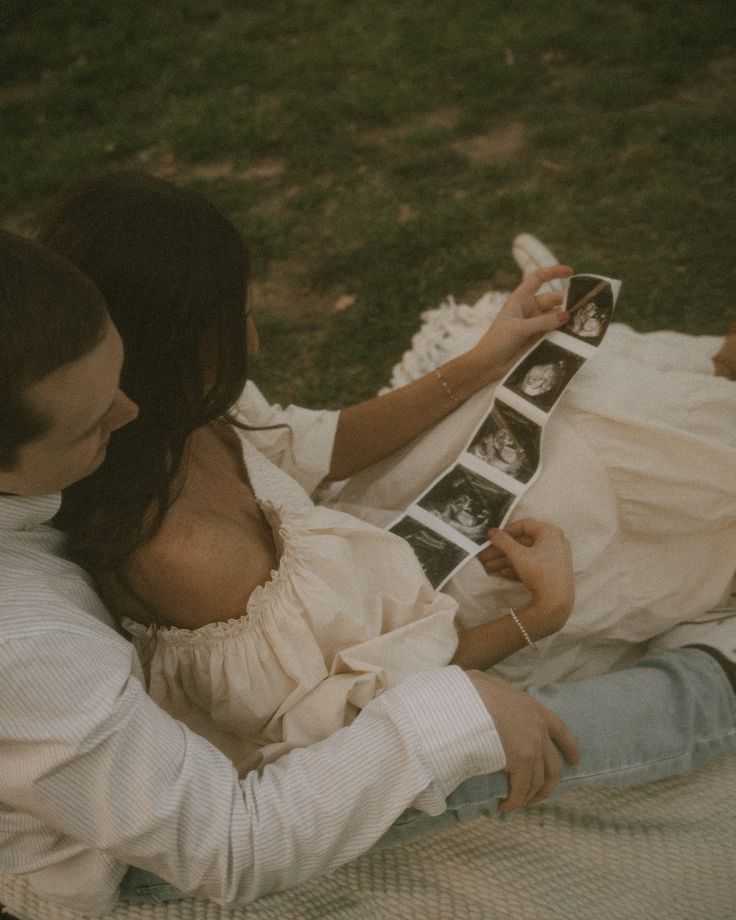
[(538, 555), (372, 430)]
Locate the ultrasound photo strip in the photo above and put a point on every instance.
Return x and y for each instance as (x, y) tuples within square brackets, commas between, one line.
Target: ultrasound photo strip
[(449, 522)]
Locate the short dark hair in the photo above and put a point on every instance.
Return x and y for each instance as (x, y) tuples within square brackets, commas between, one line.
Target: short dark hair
[(50, 315)]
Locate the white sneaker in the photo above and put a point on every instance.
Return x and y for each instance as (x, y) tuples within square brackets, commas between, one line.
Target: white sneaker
[(530, 254)]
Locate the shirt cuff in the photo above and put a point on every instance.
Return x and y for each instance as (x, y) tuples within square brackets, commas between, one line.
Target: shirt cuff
[(453, 727)]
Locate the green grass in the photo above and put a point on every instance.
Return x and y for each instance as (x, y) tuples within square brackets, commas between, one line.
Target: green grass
[(391, 151)]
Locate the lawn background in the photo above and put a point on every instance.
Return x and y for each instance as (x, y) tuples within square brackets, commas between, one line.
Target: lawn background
[(379, 155)]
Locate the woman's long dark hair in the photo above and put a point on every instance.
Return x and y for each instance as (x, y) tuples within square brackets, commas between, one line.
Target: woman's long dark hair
[(174, 273)]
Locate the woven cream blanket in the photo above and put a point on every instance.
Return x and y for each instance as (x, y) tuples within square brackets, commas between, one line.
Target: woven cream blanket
[(664, 851)]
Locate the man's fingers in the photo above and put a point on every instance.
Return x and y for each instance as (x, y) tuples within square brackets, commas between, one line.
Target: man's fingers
[(519, 786), (528, 732), (561, 735), (552, 773), (538, 775)]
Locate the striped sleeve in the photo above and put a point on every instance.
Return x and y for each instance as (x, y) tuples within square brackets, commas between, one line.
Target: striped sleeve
[(89, 754)]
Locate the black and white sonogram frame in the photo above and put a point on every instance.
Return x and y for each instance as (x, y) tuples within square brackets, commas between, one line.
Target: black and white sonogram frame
[(449, 522), (590, 302), (541, 377), (468, 503), (437, 556), (508, 441)]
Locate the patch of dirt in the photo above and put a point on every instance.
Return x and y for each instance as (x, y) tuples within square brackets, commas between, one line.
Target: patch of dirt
[(258, 170), (444, 118), (495, 147), (263, 169), (160, 161), (286, 294), (223, 169), (17, 92)]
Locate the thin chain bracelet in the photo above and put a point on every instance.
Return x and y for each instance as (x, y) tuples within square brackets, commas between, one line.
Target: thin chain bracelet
[(447, 388), (525, 634)]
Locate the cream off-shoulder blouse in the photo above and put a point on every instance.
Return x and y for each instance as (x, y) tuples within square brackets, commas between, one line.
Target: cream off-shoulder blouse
[(347, 613)]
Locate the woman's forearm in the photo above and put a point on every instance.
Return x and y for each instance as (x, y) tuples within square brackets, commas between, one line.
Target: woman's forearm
[(374, 429), (480, 647)]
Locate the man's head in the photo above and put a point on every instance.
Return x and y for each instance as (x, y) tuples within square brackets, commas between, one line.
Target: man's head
[(60, 361)]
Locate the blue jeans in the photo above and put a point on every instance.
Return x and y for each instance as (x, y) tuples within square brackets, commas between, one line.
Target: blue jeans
[(669, 713)]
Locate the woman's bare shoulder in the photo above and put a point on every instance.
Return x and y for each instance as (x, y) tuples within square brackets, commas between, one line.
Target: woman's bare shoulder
[(199, 568)]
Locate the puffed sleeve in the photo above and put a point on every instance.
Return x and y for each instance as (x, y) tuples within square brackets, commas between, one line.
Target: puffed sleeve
[(302, 443)]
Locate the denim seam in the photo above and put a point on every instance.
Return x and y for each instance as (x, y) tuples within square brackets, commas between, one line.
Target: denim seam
[(613, 771)]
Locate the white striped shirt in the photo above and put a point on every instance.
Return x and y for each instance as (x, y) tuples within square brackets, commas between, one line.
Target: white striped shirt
[(94, 776)]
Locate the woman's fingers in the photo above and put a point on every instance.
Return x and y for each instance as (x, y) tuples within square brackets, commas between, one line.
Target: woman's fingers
[(509, 572), (495, 561), (501, 568), (549, 301), (506, 542), (496, 564), (533, 281), (523, 528), (546, 321)]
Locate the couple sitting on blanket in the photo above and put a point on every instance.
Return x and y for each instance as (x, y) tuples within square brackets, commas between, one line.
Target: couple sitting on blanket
[(303, 655)]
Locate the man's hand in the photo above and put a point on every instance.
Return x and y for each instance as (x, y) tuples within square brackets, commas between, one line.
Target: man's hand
[(531, 735)]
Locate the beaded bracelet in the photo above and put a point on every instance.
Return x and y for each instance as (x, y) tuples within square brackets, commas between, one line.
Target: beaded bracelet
[(447, 388), (529, 641)]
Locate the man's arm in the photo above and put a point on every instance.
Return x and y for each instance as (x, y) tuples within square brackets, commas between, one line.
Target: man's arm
[(87, 752)]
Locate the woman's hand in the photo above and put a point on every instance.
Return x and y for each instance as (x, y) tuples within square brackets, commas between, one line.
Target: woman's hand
[(524, 318), (374, 429), (539, 556)]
